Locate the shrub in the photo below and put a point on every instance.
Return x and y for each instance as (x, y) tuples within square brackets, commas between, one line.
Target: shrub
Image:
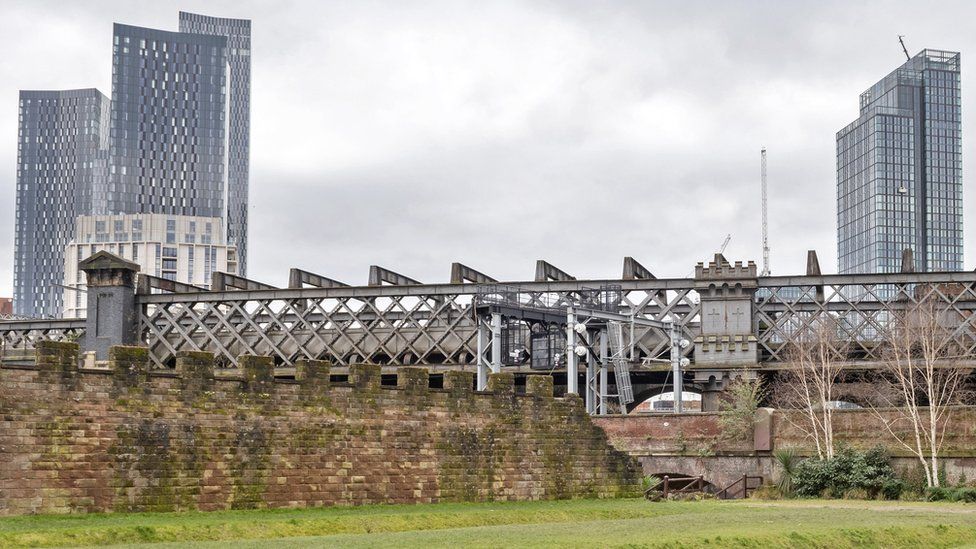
[(851, 474), (940, 493), (767, 492), (787, 460)]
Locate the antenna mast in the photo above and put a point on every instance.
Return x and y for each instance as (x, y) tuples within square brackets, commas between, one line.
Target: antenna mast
[(765, 224)]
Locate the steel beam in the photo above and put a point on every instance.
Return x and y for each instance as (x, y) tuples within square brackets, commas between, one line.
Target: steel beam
[(545, 271), (461, 274), (298, 278), (226, 281), (378, 276), (147, 283), (635, 271)]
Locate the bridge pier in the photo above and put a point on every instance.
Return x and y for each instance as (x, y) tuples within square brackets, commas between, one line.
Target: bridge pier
[(727, 341)]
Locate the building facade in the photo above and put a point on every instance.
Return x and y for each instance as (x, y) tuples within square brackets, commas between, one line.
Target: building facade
[(238, 34), (899, 172), (62, 149), (182, 248), (168, 134), (174, 140)]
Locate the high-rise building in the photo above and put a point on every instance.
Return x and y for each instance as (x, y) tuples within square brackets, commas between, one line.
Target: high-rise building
[(174, 140), (238, 33), (899, 172), (169, 115), (180, 248), (62, 143)]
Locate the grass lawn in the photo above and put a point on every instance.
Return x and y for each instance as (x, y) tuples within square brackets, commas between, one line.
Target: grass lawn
[(581, 523)]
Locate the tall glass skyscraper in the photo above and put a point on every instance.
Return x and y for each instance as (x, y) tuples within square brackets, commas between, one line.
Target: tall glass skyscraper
[(169, 115), (899, 172), (174, 139), (62, 151), (238, 33)]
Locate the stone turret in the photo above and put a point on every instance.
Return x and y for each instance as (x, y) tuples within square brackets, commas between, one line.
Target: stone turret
[(727, 341), (111, 302)]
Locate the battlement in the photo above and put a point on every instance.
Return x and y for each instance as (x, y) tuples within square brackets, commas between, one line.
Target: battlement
[(126, 437), (198, 371), (721, 269)]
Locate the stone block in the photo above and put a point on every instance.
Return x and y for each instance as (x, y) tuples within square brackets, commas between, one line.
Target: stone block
[(540, 386), (458, 382), (413, 380), (365, 376), (502, 383), (129, 365), (57, 361), (258, 373), (196, 371)]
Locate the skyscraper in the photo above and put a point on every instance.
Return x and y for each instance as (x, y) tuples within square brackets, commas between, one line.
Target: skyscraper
[(238, 33), (169, 116), (174, 140), (62, 143), (899, 173)]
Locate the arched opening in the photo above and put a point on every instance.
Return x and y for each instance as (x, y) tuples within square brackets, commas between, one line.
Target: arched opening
[(655, 401)]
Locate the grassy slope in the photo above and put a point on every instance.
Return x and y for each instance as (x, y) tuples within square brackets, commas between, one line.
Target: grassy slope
[(631, 523)]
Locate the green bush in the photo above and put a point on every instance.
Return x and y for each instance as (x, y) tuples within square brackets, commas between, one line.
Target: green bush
[(850, 474), (942, 493)]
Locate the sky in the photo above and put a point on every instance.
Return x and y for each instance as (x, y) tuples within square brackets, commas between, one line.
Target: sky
[(414, 134)]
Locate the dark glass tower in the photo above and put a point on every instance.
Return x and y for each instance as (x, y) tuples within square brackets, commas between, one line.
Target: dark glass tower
[(62, 144), (238, 33), (169, 116), (899, 173)]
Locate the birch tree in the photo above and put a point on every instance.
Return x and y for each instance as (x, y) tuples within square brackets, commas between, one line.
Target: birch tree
[(815, 359), (922, 364)]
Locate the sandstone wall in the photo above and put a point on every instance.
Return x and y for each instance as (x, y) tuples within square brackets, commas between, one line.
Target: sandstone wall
[(128, 439)]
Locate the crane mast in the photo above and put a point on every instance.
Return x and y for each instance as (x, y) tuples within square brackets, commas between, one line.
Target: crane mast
[(765, 221)]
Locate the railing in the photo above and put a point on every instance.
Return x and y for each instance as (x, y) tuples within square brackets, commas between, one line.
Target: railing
[(671, 486), (18, 337), (741, 488)]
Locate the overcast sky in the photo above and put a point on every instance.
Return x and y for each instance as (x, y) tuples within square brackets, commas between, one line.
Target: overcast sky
[(414, 134)]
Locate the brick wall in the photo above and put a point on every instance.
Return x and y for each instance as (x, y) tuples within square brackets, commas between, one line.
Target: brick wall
[(127, 439)]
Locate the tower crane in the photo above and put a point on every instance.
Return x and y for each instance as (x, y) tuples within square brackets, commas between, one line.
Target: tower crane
[(765, 224), (725, 243)]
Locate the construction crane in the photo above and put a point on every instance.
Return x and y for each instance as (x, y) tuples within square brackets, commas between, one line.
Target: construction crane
[(765, 220), (725, 243), (901, 40)]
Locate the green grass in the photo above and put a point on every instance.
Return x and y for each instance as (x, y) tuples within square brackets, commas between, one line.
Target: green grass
[(601, 523)]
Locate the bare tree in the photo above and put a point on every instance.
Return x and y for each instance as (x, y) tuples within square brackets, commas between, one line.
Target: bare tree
[(815, 358), (922, 363)]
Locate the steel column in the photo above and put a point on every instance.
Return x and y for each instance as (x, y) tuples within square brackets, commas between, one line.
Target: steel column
[(604, 359), (496, 343), (572, 362), (482, 363), (676, 368)]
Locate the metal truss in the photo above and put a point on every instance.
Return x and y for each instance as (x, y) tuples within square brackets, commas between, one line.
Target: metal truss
[(861, 308), (23, 335), (405, 324), (437, 324)]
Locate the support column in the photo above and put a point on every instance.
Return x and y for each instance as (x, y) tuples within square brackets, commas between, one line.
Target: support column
[(112, 318), (591, 374), (604, 360), (482, 363), (572, 362), (496, 343), (676, 372)]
